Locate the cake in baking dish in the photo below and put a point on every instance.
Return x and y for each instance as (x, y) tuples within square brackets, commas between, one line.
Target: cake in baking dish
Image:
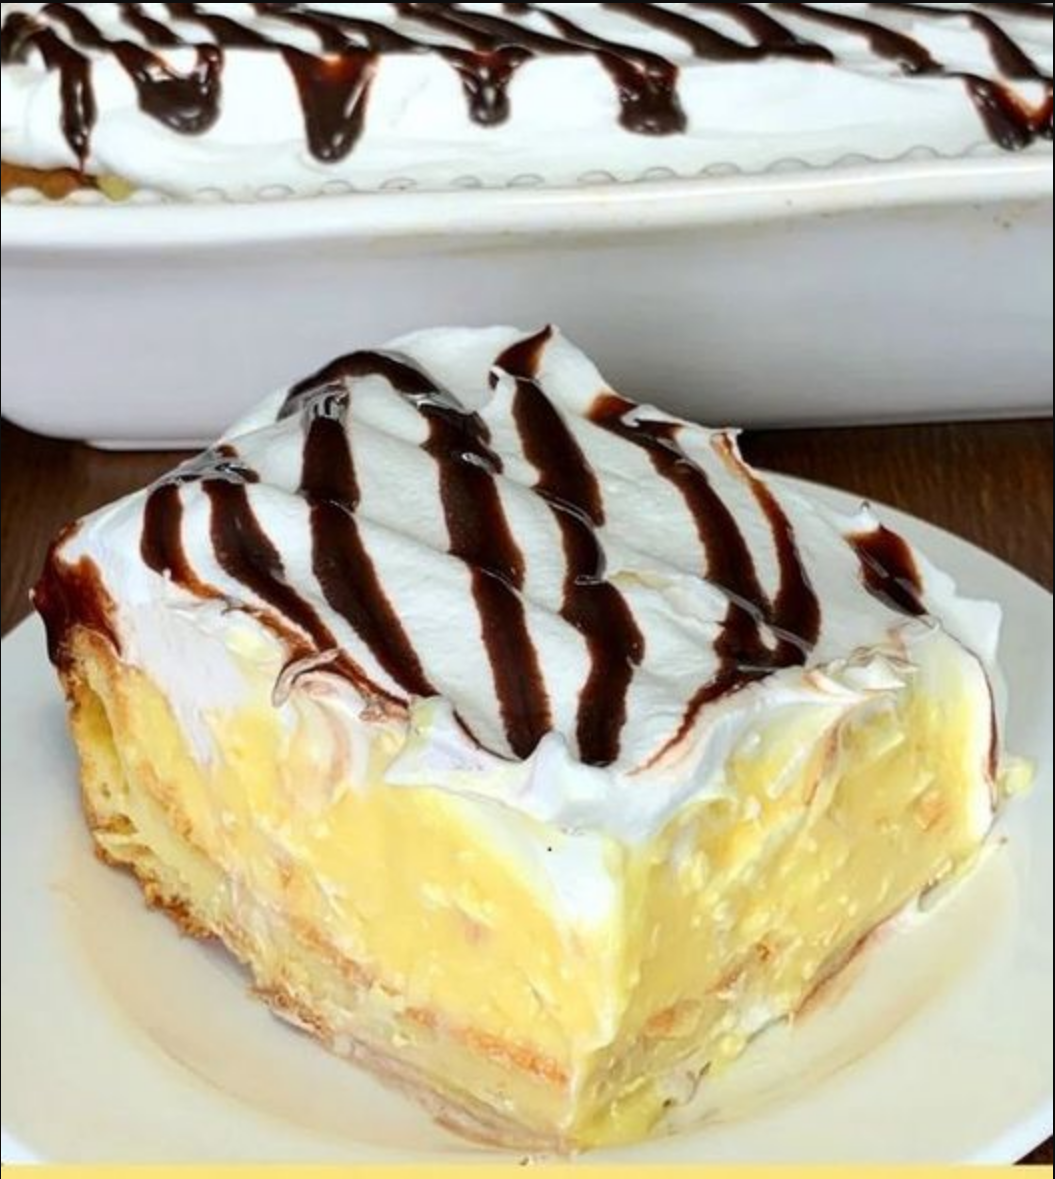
[(249, 100), (527, 745)]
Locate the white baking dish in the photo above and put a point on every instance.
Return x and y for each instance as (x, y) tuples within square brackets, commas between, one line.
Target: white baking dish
[(867, 292)]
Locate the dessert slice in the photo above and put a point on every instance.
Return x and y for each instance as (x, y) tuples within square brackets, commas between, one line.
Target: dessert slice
[(526, 744)]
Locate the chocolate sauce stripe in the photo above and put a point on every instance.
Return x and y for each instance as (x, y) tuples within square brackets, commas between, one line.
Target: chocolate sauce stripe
[(340, 561), (332, 28), (483, 31), (645, 83), (163, 553), (1003, 112), (479, 533), (888, 570), (71, 596), (771, 37), (792, 615), (564, 473), (795, 613), (591, 604), (161, 545), (245, 553), (152, 31), (528, 494), (1007, 120), (904, 50), (334, 83), (1008, 56), (711, 45)]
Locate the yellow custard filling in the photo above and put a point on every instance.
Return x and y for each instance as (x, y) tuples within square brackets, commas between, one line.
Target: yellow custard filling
[(405, 927)]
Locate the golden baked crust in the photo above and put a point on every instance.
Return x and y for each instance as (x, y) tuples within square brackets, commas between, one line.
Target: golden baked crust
[(89, 657), (54, 183), (59, 183)]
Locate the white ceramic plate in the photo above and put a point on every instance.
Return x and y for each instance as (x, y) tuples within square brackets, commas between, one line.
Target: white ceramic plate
[(123, 1041)]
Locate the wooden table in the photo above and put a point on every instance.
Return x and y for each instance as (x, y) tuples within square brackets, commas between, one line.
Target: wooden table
[(991, 483)]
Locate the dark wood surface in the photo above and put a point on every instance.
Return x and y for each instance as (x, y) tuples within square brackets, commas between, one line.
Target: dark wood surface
[(988, 482)]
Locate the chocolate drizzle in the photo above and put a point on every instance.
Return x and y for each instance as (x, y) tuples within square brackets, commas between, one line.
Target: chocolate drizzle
[(479, 533), (488, 67), (21, 32), (161, 545), (888, 570), (333, 93), (71, 596), (188, 103), (333, 81), (1008, 121), (793, 617), (905, 52), (646, 83), (154, 32), (244, 552), (340, 560), (761, 630), (591, 604), (772, 38)]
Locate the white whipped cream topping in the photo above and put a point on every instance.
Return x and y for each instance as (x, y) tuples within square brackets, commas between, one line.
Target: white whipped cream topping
[(207, 656), (564, 120)]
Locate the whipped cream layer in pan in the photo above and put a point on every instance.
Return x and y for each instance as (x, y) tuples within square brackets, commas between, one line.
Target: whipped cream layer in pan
[(553, 597), (251, 99)]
